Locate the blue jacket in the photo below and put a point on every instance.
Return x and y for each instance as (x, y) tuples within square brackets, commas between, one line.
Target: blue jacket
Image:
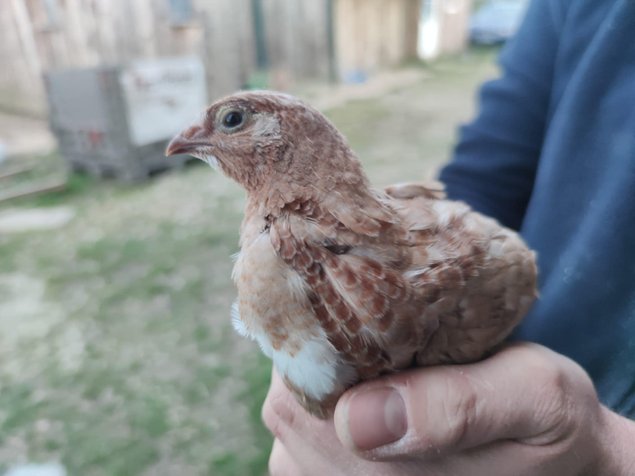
[(552, 154)]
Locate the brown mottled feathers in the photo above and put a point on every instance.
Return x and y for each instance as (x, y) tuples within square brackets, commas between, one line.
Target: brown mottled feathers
[(435, 298), (339, 282)]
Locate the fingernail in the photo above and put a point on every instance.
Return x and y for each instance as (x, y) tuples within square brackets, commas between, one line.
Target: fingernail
[(376, 418)]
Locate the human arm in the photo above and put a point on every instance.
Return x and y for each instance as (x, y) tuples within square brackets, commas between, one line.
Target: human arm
[(496, 157), (524, 411), (494, 172)]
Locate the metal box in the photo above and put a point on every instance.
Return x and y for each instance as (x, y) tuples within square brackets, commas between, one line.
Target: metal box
[(116, 121)]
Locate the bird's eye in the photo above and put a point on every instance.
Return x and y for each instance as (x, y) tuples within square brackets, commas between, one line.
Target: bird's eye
[(232, 119)]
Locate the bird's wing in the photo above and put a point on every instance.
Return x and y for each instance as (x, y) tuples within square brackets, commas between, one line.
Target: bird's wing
[(479, 277), (359, 211), (356, 297), (438, 279)]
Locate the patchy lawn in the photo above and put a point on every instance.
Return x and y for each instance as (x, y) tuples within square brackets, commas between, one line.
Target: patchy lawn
[(116, 352)]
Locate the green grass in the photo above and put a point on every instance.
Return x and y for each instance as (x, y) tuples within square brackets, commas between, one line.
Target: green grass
[(117, 353)]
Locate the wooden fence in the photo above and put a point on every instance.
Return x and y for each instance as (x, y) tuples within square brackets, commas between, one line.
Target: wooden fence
[(294, 39)]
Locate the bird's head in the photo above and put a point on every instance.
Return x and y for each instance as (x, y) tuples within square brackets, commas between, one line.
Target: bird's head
[(270, 141)]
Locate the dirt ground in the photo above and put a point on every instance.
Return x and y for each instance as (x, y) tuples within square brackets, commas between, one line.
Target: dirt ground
[(117, 355)]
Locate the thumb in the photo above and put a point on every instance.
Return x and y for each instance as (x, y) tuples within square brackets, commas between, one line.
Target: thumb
[(521, 393)]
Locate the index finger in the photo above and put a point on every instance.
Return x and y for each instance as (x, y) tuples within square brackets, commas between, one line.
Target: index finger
[(521, 393)]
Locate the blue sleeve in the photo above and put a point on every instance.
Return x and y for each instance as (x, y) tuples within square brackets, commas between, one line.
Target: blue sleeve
[(496, 157)]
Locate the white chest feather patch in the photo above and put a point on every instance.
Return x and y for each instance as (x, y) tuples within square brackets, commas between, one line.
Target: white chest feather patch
[(307, 358), (316, 368)]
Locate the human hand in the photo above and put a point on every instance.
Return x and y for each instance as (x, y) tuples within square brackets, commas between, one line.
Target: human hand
[(524, 411)]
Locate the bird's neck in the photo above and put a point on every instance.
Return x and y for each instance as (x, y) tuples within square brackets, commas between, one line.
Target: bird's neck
[(304, 175), (277, 201)]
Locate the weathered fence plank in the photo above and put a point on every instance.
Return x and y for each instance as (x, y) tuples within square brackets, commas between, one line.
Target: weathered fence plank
[(366, 35)]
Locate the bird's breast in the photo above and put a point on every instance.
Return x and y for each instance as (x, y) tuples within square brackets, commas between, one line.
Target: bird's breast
[(273, 308), (271, 296)]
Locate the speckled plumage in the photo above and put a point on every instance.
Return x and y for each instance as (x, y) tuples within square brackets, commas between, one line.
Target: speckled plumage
[(339, 282)]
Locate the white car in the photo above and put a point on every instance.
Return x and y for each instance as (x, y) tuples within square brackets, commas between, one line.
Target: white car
[(496, 21)]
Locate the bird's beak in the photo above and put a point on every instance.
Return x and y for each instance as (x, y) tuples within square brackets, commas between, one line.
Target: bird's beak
[(187, 142)]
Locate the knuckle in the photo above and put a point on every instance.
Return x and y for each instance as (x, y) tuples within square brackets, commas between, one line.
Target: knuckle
[(565, 397), (279, 461), (459, 410), (277, 414), (545, 372), (558, 383), (554, 409), (449, 417)]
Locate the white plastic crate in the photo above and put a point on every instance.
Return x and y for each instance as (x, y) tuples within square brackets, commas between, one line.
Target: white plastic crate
[(116, 121)]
